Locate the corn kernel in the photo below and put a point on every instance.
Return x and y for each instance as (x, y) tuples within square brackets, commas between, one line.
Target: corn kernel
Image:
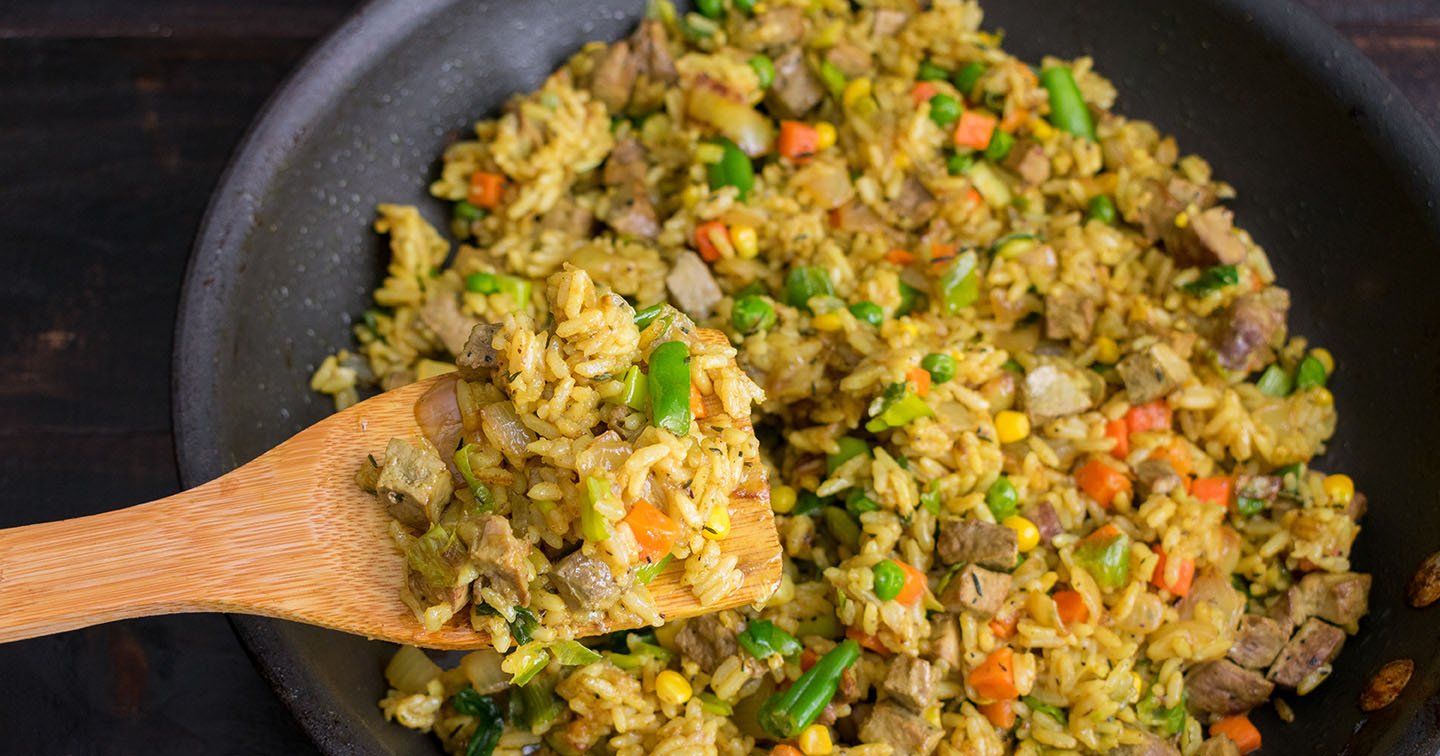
[(900, 160), (1107, 351), (747, 243), (1026, 534), (932, 714), (825, 135), (855, 91), (691, 196), (672, 687), (717, 525), (1339, 488), (1182, 219), (1011, 426), (782, 499), (815, 740), (1325, 358), (1041, 129), (1138, 683), (1323, 397), (829, 321), (708, 153)]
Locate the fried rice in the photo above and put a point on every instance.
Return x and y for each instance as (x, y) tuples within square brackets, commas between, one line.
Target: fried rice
[(1037, 438)]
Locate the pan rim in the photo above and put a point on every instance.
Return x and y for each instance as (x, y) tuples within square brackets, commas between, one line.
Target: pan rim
[(1396, 130)]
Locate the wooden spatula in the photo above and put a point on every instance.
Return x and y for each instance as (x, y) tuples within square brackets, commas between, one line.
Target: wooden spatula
[(291, 535)]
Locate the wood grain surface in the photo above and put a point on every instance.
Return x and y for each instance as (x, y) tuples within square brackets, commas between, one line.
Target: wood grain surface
[(117, 119)]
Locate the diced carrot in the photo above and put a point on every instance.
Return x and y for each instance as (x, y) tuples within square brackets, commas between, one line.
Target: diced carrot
[(1014, 120), (798, 141), (920, 378), (941, 254), (654, 530), (1177, 455), (1070, 605), (808, 659), (1118, 430), (900, 257), (974, 129), (1101, 482), (1181, 586), (995, 677), (914, 586), (785, 750), (697, 403), (1240, 730), (1213, 490), (1149, 417), (923, 91), (705, 240), (867, 640), (485, 189), (1000, 713), (1103, 533), (1003, 626), (972, 197), (835, 217)]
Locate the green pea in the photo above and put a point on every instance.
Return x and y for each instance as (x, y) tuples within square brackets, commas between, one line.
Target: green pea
[(966, 79), (1101, 208), (941, 367), (804, 282), (751, 314), (944, 110), (1002, 499), (931, 72), (744, 6), (959, 162), (710, 8), (764, 70), (869, 312), (482, 283), (833, 77), (1310, 374), (1000, 145), (889, 579), (467, 212)]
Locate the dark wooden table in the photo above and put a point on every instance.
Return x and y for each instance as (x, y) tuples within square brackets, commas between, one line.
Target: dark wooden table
[(115, 122)]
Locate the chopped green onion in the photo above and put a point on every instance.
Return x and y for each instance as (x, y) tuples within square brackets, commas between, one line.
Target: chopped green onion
[(1068, 110), (968, 76), (1310, 374), (1000, 145), (710, 8), (959, 162), (842, 526), (889, 579), (787, 713), (536, 704), (762, 639), (734, 169), (931, 72), (592, 523), (960, 283), (464, 211), (857, 503), (1249, 507), (1010, 246), (940, 366), (710, 702), (527, 661), (670, 387), (1102, 208), (804, 282), (634, 390), (484, 498), (930, 500), (1275, 381), (489, 724), (522, 629), (1013, 367), (868, 312), (482, 283), (833, 77), (647, 573), (944, 110), (1164, 722), (807, 502), (572, 653), (644, 317), (1213, 279), (850, 448), (1038, 706), (1002, 499), (764, 70), (430, 555), (1107, 559), (752, 313), (899, 412)]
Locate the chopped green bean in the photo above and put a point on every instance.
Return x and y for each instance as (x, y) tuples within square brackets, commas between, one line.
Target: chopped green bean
[(960, 283), (1310, 374), (670, 387), (751, 314), (785, 714), (1068, 110), (764, 70), (762, 639), (1275, 381), (1000, 145), (931, 72), (733, 169), (968, 76), (592, 523)]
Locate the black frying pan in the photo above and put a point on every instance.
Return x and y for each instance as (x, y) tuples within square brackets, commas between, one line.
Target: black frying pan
[(1338, 179)]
